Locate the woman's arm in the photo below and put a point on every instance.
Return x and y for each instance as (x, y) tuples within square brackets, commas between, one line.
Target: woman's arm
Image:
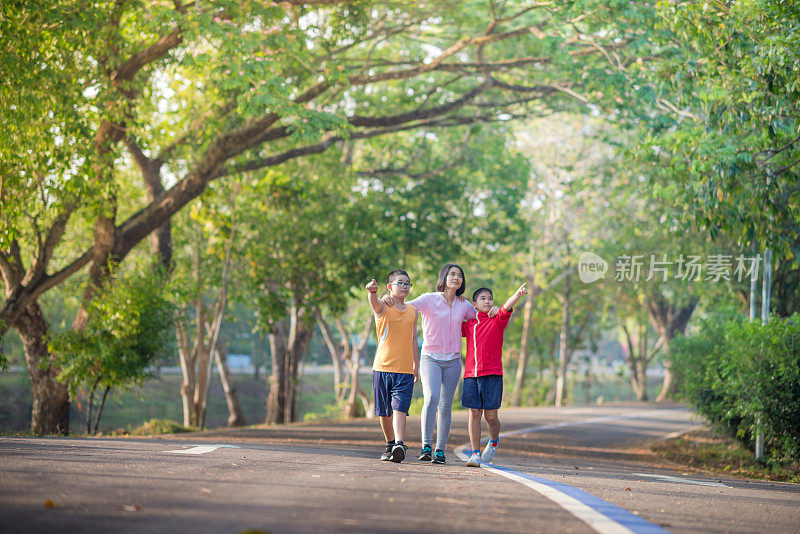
[(420, 302), (415, 347)]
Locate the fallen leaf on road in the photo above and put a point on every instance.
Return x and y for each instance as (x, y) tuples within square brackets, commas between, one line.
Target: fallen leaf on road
[(49, 504), (452, 501), (205, 490), (314, 476), (628, 489), (129, 508), (402, 480)]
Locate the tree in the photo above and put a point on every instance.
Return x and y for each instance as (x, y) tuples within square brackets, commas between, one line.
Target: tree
[(199, 91), (205, 266), (724, 146), (128, 330), (346, 356)]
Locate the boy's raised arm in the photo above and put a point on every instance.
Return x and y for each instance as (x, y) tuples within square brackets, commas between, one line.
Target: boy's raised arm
[(378, 307), (512, 300)]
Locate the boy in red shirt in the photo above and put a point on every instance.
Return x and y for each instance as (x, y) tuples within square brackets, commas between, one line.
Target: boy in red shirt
[(483, 369)]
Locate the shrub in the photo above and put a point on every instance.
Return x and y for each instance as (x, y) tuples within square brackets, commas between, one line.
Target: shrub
[(129, 328), (161, 426), (740, 375)]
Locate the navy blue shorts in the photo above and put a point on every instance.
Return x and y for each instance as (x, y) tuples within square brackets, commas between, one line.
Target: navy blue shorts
[(483, 392), (392, 392)]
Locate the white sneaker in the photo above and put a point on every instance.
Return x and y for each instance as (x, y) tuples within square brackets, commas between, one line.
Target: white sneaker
[(474, 460), (489, 451)]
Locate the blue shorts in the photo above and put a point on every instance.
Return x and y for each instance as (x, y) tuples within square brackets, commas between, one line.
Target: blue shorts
[(483, 392), (392, 392)]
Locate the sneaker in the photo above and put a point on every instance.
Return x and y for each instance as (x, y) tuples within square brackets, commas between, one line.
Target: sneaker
[(489, 451), (398, 453), (387, 454), (425, 455), (438, 457), (474, 460)]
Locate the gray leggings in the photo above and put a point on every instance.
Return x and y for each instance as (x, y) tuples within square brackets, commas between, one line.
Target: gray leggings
[(439, 382)]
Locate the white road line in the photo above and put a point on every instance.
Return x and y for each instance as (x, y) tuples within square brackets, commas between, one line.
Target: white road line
[(596, 520), (677, 480), (202, 449), (572, 499)]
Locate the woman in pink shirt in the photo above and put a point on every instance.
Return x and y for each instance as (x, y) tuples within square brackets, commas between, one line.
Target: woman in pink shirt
[(442, 313)]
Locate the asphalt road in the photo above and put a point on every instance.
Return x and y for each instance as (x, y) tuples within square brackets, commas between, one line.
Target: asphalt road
[(557, 470)]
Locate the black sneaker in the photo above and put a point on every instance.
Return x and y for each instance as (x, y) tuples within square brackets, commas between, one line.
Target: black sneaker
[(398, 453), (425, 455), (438, 457), (387, 454)]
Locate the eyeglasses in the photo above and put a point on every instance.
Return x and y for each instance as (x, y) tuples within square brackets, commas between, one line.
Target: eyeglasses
[(403, 284)]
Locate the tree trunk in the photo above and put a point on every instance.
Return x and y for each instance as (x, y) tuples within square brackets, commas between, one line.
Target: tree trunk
[(99, 413), (288, 350), (637, 360), (356, 394), (50, 412), (338, 353), (277, 380), (668, 320), (668, 386), (641, 375), (187, 357), (90, 404), (203, 374), (563, 349), (235, 416)]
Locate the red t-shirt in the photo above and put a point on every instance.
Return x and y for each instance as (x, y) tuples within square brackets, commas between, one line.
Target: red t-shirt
[(485, 333)]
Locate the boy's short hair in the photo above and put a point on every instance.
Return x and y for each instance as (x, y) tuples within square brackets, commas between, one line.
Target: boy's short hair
[(394, 274), (481, 290)]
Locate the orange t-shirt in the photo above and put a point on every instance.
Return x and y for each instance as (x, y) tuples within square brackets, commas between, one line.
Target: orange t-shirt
[(395, 352)]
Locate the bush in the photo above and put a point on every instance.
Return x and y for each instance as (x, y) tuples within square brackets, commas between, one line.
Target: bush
[(329, 412), (129, 329), (161, 426), (737, 374)]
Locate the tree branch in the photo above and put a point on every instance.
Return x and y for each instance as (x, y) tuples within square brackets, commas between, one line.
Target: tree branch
[(330, 140), (157, 50), (420, 113), (50, 281)]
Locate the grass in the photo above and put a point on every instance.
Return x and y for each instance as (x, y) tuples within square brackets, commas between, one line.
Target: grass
[(158, 399), (161, 426), (722, 455)]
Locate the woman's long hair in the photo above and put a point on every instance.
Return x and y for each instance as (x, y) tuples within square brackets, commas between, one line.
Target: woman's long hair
[(442, 281)]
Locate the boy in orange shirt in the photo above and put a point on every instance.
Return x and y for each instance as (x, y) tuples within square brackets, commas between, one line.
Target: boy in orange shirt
[(396, 365)]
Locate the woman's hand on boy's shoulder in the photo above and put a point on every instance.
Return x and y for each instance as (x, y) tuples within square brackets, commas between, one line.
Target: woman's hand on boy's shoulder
[(494, 311)]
